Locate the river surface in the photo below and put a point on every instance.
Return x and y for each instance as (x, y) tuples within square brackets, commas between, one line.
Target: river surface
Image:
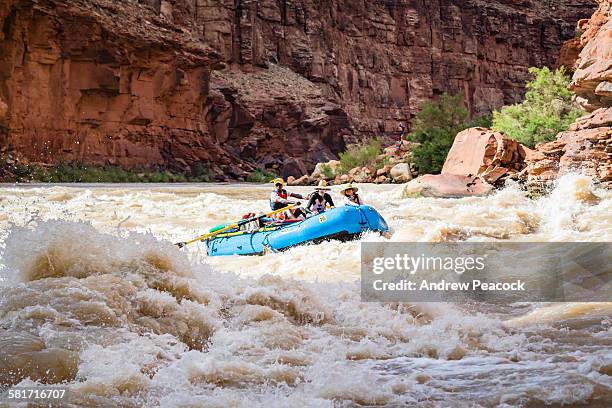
[(93, 294)]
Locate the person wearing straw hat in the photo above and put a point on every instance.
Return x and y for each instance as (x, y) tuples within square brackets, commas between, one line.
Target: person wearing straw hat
[(349, 193), (320, 198)]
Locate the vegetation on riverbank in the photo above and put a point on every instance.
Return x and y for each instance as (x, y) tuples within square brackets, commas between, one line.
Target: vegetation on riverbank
[(360, 156), (435, 129), (260, 176), (546, 110), (80, 173)]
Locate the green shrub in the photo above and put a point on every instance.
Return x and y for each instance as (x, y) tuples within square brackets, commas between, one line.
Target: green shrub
[(447, 113), (546, 110), (359, 155), (201, 173), (381, 163), (430, 154), (79, 173), (260, 176), (436, 126), (327, 171), (20, 171), (483, 121)]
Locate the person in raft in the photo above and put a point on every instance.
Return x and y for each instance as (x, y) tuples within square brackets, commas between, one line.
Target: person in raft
[(349, 193), (279, 199), (320, 199)]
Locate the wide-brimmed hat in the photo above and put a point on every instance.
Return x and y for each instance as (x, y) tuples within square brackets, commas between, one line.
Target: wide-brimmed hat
[(322, 185), (278, 180), (350, 186)]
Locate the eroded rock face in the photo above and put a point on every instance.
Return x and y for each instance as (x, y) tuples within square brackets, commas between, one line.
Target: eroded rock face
[(135, 83), (592, 81), (381, 60), (485, 153), (117, 83), (447, 186), (585, 148), (277, 119), (104, 82)]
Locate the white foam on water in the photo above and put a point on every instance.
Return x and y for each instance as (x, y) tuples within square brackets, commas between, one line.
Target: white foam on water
[(93, 293)]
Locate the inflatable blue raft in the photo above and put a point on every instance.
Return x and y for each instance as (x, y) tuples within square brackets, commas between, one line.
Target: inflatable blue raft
[(343, 223)]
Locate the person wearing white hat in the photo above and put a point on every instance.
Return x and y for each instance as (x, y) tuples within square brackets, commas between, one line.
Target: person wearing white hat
[(320, 198), (349, 193)]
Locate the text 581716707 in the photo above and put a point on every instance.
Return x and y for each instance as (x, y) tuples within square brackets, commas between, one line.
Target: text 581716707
[(34, 394)]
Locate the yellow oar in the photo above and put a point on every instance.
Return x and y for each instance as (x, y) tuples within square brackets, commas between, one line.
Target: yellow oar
[(232, 226)]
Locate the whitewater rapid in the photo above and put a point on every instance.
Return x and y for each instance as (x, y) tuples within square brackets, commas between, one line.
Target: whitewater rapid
[(93, 294)]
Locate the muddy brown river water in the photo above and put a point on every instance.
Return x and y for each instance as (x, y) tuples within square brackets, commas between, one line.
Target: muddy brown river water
[(94, 295)]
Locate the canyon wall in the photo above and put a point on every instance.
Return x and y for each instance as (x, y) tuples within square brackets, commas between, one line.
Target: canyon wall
[(235, 85), (382, 59), (115, 83), (103, 83)]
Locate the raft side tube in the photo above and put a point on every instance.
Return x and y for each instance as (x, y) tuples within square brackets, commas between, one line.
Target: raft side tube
[(344, 223)]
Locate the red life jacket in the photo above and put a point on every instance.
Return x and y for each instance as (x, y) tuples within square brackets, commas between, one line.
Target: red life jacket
[(273, 197)]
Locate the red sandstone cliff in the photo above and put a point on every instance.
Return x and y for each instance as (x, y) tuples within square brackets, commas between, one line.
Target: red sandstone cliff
[(107, 82), (592, 81), (586, 147), (382, 59), (143, 85)]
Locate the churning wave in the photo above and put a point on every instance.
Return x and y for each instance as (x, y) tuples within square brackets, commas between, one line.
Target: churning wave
[(115, 311)]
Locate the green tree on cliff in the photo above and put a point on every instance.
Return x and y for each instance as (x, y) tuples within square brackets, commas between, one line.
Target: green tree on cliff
[(435, 129), (546, 110)]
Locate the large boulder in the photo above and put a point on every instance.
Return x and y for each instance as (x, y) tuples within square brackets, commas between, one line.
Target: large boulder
[(343, 179), (485, 153), (361, 175), (478, 159), (302, 181), (446, 186), (400, 173), (384, 170), (319, 174)]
